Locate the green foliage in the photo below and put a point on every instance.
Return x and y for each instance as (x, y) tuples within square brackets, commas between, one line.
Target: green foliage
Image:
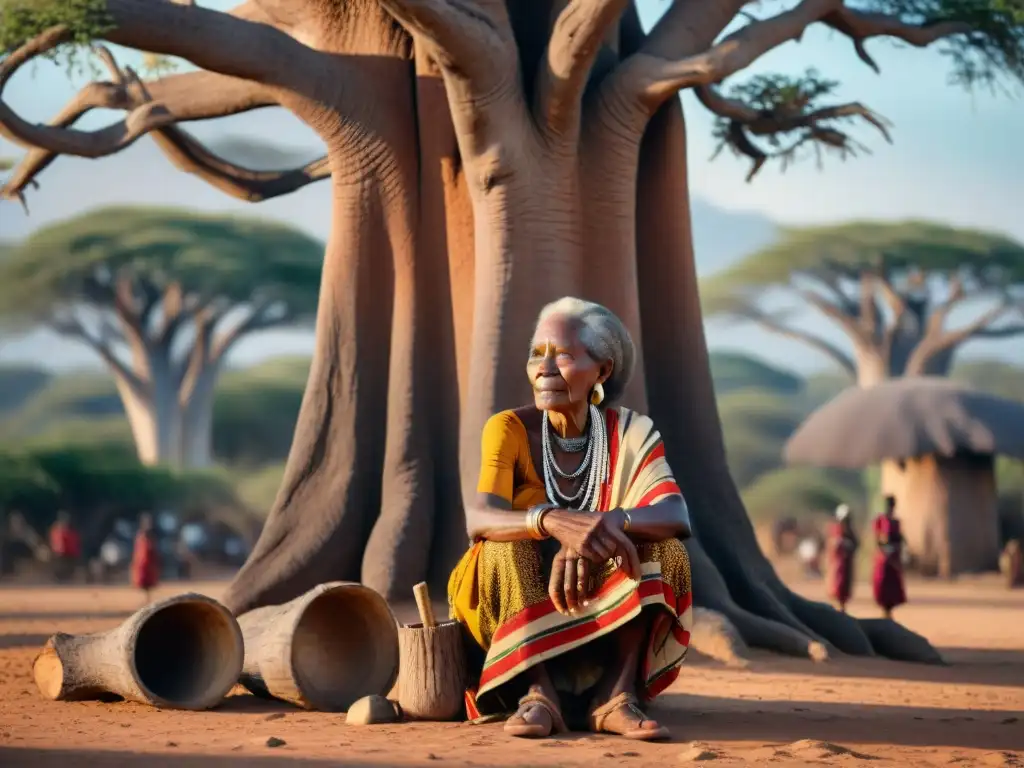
[(19, 383), (993, 376), (256, 410), (992, 51), (800, 492), (22, 20), (258, 489), (233, 259), (732, 371), (906, 247), (253, 419), (756, 425)]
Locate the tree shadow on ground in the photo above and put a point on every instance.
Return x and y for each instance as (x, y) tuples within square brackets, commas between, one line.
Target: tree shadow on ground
[(84, 614), (11, 757), (967, 666), (708, 718), (22, 640)]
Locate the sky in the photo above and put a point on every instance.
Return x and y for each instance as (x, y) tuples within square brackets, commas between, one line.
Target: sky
[(956, 158)]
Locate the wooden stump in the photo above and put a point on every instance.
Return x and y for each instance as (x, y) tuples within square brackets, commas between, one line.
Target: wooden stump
[(184, 652), (432, 674), (323, 650)]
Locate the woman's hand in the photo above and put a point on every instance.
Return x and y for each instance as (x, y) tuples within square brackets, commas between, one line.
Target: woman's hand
[(570, 581), (596, 536)]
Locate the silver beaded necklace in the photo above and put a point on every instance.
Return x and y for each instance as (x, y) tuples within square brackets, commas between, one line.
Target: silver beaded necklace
[(594, 463)]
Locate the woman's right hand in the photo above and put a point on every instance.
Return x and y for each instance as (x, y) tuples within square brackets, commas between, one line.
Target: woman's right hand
[(597, 536)]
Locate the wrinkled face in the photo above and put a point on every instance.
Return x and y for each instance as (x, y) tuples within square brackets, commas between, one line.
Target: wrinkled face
[(561, 371)]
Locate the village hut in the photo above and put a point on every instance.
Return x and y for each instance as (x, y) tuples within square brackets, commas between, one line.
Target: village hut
[(941, 438)]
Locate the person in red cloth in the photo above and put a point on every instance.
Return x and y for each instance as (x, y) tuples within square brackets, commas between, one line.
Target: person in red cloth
[(145, 557), (842, 546), (888, 572), (65, 545)]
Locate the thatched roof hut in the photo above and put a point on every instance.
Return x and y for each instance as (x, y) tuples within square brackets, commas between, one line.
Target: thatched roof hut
[(942, 438)]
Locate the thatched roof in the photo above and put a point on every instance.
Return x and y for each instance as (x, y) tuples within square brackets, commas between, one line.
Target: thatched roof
[(904, 418)]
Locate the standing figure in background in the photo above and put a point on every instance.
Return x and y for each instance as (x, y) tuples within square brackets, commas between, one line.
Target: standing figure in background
[(65, 545), (842, 547), (145, 557), (888, 572), (1011, 564)]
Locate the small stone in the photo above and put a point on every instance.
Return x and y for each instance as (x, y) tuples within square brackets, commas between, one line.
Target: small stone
[(172, 744), (1008, 721), (697, 753), (273, 741), (630, 754), (432, 756), (274, 716), (371, 710)]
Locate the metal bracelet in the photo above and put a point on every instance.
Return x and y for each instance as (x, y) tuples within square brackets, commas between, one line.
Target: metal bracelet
[(629, 522)]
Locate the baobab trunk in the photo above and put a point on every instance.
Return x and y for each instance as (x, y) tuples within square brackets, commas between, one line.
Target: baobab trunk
[(155, 422), (325, 509), (682, 403), (197, 421)]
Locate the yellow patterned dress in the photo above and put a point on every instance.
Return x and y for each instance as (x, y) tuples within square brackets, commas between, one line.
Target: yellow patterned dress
[(499, 590)]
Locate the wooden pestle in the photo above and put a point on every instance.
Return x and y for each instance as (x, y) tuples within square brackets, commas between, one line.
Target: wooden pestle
[(432, 669), (426, 610)]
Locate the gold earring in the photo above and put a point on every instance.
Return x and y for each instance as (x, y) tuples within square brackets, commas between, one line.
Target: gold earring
[(597, 395)]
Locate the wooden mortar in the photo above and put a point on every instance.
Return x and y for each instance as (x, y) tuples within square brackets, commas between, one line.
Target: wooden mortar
[(432, 666)]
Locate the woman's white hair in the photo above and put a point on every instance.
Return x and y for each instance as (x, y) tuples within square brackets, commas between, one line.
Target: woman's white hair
[(603, 334)]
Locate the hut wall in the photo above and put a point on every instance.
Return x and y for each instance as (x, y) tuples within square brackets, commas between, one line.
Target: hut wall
[(948, 508)]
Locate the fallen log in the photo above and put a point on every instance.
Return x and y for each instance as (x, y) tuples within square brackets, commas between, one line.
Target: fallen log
[(184, 652), (323, 650)]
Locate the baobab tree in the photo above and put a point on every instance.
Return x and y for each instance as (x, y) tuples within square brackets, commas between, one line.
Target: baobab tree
[(890, 288), (485, 157), (162, 297)]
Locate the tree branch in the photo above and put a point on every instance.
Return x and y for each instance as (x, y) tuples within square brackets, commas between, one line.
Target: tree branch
[(841, 315), (737, 51), (766, 321), (937, 340), (71, 325), (105, 141), (192, 96), (576, 39), (215, 41), (745, 121), (862, 25), (191, 156)]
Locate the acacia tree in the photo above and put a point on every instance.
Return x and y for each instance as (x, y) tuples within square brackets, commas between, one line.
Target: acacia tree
[(889, 287), (523, 151), (162, 296)]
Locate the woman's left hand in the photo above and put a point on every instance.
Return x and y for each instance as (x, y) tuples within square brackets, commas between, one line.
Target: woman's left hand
[(570, 581)]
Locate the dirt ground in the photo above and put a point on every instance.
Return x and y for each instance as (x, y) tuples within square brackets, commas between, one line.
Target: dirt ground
[(779, 711)]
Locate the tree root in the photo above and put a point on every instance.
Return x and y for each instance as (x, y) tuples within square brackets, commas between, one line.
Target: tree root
[(895, 641), (715, 636)]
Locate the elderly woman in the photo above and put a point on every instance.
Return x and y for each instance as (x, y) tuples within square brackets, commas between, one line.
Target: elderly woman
[(576, 586)]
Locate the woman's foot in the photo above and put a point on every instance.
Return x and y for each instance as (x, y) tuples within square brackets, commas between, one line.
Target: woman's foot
[(622, 716), (537, 718)]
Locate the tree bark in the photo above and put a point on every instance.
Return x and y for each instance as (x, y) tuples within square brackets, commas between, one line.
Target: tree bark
[(374, 431), (319, 525), (154, 418)]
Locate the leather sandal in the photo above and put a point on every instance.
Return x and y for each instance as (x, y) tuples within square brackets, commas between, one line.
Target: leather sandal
[(517, 725), (619, 706)]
